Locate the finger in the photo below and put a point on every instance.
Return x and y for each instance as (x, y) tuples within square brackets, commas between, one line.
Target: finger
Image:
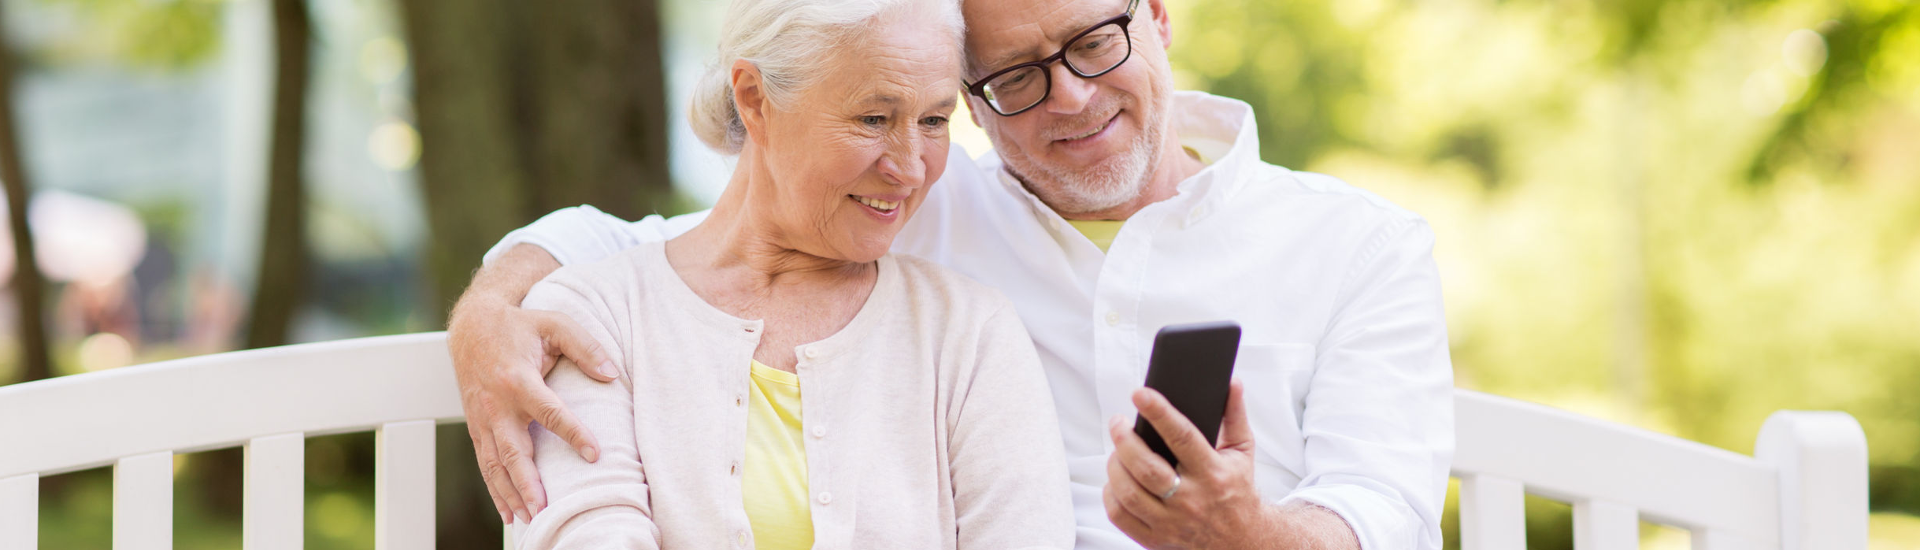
[(1132, 526), (516, 457), (1140, 462), (552, 414), (1236, 431), (1182, 438), (566, 338), (499, 481), (1132, 497), (483, 454)]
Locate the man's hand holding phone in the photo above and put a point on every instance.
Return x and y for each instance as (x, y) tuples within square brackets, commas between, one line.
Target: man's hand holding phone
[(1210, 500)]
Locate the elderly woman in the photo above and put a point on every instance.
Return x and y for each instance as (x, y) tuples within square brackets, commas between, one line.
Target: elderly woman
[(786, 383)]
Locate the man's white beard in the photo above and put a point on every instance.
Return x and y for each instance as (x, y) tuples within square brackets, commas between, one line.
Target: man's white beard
[(1103, 186)]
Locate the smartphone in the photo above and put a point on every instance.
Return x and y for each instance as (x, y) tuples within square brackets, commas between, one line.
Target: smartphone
[(1192, 365)]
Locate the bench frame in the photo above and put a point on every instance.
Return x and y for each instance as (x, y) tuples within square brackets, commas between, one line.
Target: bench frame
[(1805, 489)]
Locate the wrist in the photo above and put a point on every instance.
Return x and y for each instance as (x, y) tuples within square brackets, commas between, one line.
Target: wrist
[(479, 304), (1264, 528)]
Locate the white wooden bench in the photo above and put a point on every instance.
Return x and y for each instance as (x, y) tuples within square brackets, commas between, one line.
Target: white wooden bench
[(1805, 490)]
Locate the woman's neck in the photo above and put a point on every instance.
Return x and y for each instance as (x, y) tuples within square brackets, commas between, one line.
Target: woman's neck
[(740, 247)]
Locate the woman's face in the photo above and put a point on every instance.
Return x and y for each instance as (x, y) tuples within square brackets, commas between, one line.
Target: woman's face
[(851, 157)]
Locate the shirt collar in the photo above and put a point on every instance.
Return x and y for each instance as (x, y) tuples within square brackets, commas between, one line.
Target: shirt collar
[(1220, 128)]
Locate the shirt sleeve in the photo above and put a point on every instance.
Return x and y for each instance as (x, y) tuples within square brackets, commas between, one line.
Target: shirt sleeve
[(1008, 466), (584, 234), (1378, 421), (600, 504)]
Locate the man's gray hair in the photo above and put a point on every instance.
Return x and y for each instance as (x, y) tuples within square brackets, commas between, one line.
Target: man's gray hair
[(791, 41)]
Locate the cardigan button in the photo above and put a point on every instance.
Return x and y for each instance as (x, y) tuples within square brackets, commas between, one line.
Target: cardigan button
[(813, 353), (826, 498), (819, 431)]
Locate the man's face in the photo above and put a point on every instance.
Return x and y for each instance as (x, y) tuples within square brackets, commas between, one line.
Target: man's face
[(1094, 143)]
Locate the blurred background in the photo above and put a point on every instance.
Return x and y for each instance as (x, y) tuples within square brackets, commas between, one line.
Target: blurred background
[(1677, 214)]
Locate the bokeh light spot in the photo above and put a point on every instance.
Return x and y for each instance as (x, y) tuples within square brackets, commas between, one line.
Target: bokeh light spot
[(1805, 52), (394, 146)]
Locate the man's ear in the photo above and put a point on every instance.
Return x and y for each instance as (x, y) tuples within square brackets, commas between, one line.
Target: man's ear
[(1163, 24), (973, 109), (750, 99)]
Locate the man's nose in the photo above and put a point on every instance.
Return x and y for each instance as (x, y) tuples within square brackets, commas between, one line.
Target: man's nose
[(1070, 92)]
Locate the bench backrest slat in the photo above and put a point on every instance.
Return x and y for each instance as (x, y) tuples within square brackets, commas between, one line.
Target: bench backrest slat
[(403, 486), (1710, 539), (1602, 525), (275, 496), (20, 512), (1492, 513), (143, 502)]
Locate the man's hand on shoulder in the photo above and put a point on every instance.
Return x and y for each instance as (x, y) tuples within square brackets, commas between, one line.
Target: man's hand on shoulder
[(501, 355)]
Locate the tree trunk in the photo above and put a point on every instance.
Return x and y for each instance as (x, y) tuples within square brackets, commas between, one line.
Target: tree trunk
[(282, 282), (281, 285), (524, 108), (29, 287)]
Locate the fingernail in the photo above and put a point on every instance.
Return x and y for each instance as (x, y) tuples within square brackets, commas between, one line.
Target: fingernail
[(591, 454), (607, 370), (506, 518)]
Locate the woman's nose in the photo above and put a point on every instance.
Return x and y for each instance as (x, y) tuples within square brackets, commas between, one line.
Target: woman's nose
[(902, 163), (1070, 93)]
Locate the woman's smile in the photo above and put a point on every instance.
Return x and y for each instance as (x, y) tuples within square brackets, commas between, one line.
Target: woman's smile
[(885, 209)]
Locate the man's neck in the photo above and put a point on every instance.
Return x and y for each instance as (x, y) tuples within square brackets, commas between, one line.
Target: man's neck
[(1175, 166)]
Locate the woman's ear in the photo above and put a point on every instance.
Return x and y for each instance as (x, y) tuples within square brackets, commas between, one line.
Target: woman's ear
[(750, 99)]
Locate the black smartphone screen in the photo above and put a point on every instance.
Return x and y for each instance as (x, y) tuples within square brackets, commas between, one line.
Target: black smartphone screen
[(1192, 365)]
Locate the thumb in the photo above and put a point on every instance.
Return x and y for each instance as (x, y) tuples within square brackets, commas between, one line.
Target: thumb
[(564, 337), (1236, 432)]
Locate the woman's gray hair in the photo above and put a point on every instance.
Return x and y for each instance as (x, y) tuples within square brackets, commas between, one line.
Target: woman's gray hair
[(791, 41)]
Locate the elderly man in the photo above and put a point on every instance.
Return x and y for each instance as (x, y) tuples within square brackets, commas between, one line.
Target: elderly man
[(1111, 206)]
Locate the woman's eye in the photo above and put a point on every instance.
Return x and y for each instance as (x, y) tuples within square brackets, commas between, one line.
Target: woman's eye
[(934, 121), (873, 120)]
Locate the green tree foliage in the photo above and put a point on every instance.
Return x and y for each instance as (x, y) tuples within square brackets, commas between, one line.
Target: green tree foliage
[(1679, 214), (163, 35)]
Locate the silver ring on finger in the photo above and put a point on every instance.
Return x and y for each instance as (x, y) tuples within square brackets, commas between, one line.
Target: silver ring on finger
[(1173, 489)]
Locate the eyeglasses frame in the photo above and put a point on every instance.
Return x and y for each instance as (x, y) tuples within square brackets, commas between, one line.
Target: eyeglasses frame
[(979, 88)]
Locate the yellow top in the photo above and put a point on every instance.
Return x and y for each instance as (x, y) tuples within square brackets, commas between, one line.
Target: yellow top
[(1101, 232), (774, 485)]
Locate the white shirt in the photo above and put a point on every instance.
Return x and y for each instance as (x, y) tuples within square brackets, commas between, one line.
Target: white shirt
[(1344, 345)]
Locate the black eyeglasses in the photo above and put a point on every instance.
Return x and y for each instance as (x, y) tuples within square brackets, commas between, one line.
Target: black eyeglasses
[(1094, 52)]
